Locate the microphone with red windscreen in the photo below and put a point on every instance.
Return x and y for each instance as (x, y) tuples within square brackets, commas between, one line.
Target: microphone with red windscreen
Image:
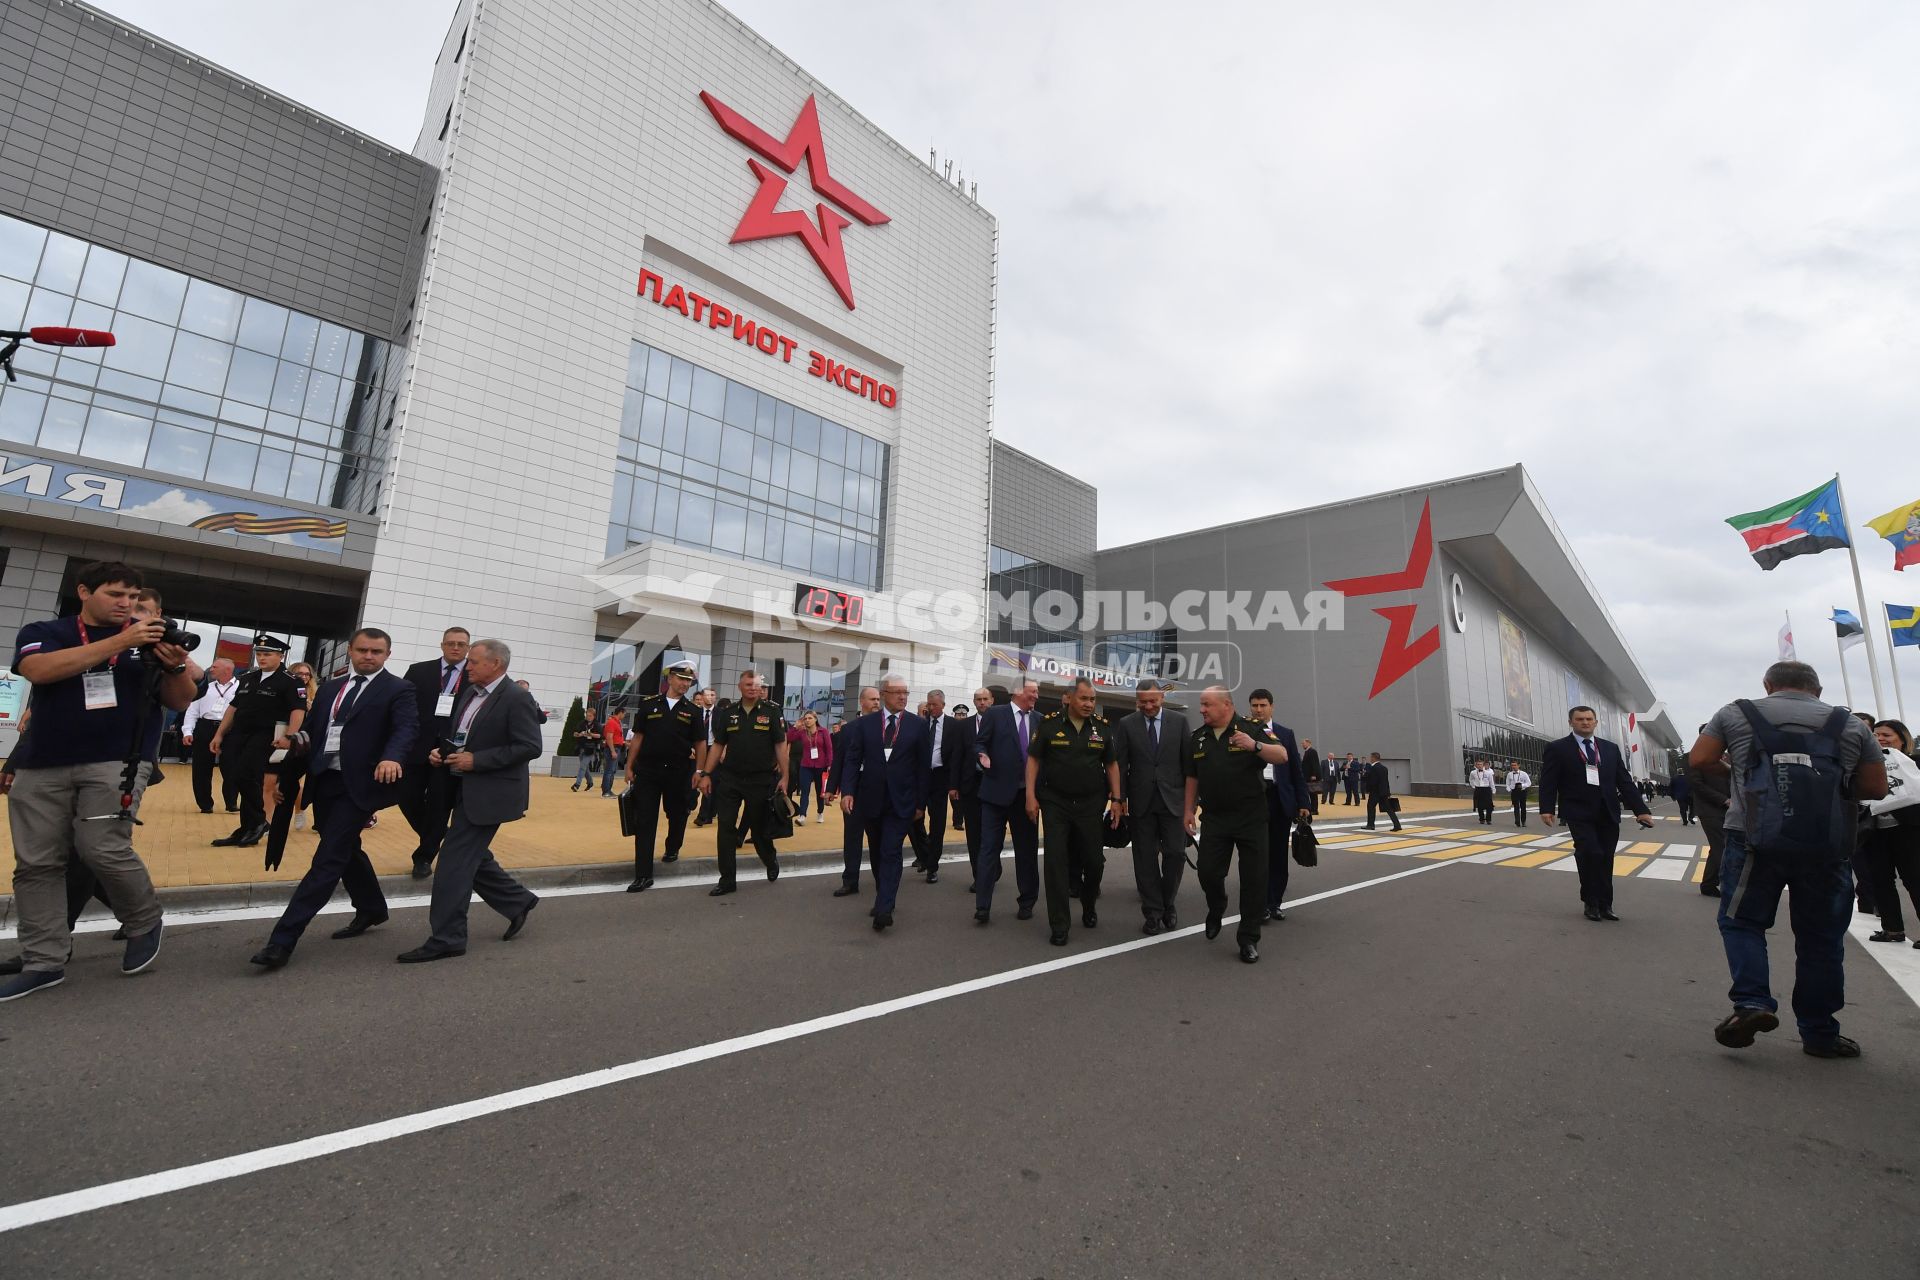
[(48, 335)]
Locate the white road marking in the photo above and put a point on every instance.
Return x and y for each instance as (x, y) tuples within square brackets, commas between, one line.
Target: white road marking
[(1664, 869), (29, 1213), (1565, 864), (1900, 960)]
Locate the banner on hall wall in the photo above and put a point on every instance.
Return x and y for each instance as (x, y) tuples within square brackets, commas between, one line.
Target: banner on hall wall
[(1514, 672), (76, 485)]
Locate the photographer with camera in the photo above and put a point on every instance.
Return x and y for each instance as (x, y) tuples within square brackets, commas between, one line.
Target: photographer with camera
[(96, 678), (266, 712)]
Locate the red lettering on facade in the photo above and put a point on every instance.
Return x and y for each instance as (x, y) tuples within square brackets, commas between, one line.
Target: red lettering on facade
[(677, 299), (697, 301), (718, 317)]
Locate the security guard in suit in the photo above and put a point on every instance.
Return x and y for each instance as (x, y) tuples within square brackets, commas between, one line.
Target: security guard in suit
[(1226, 776), (267, 698), (1066, 780), (665, 735)]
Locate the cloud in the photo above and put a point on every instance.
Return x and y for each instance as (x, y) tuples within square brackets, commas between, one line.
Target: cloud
[(171, 507)]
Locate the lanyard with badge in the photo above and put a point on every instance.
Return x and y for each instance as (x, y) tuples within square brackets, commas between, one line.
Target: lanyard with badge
[(1592, 762), (332, 745), (97, 687), (443, 705)]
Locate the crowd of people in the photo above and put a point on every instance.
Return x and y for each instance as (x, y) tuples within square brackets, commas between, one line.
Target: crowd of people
[(1834, 816)]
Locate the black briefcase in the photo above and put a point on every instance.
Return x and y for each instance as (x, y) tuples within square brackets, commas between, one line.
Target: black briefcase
[(779, 816), (1391, 804), (629, 811), (1306, 846), (1117, 835)]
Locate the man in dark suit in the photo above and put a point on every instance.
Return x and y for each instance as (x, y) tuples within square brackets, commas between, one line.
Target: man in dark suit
[(1380, 791), (963, 780), (930, 833), (888, 756), (1583, 782), (1149, 758), (1000, 749), (360, 732), (1286, 787), (1310, 770), (426, 794), (839, 786), (495, 732), (1356, 771)]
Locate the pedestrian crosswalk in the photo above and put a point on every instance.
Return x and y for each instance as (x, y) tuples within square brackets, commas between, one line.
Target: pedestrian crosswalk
[(1642, 859)]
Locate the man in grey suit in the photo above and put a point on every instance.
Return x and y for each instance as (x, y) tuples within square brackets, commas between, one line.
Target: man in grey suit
[(493, 733), (1149, 771)]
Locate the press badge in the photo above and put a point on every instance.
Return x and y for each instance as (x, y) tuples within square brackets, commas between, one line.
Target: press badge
[(332, 747), (443, 706), (1593, 775), (97, 686)]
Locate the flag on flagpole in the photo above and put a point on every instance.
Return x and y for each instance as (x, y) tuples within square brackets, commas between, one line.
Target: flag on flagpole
[(1786, 642), (1848, 628), (1801, 526), (1903, 624), (1901, 527)]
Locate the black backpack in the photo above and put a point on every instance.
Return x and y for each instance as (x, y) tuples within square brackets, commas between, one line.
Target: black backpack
[(1796, 792)]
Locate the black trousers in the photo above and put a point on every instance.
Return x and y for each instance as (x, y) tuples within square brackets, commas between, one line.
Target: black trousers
[(1893, 859), (994, 823), (1279, 852), (967, 812), (929, 834), (1353, 791), (426, 801), (1685, 806), (1518, 798), (656, 788), (1381, 804), (204, 766), (467, 867), (1594, 841), (339, 860), (1713, 823), (1483, 804), (1218, 845), (243, 766), (853, 836), (738, 801), (1075, 855), (1159, 860)]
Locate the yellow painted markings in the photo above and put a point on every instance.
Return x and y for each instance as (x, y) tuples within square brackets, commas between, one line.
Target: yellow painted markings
[(1459, 851), (1644, 846), (1540, 859), (1388, 846), (1700, 871), (1625, 866)]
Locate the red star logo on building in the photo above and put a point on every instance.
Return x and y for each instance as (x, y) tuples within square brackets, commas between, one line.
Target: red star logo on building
[(764, 221), (1399, 655)]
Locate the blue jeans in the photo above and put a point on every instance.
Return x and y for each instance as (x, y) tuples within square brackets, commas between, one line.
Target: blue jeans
[(615, 761), (1820, 905), (583, 774)]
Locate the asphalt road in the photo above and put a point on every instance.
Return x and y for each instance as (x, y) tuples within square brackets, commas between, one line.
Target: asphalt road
[(1448, 1073)]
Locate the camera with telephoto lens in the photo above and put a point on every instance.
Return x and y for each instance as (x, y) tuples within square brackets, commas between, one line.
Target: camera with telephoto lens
[(177, 635)]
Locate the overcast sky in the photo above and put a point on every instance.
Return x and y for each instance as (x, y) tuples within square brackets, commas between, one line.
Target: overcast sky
[(1269, 255)]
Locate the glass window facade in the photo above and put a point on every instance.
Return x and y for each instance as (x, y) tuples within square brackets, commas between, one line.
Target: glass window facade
[(1012, 574), (712, 463), (202, 383)]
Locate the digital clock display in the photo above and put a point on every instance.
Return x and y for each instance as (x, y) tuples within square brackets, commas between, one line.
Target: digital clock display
[(828, 605)]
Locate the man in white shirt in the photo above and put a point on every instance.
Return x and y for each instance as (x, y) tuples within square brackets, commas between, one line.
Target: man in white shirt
[(210, 706), (1517, 784), (1481, 779)]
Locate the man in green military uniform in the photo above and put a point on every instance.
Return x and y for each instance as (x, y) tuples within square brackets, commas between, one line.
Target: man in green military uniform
[(1226, 776), (1067, 780), (665, 734), (265, 713), (745, 765)]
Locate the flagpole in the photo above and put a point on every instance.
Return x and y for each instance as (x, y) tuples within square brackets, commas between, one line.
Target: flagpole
[(1893, 661), (1859, 594)]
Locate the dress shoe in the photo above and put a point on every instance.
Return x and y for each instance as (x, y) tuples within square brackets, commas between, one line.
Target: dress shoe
[(1839, 1047), (773, 873), (253, 837), (227, 841), (981, 917), (1709, 890), (1593, 913), (206, 808), (359, 925), (1881, 935), (1151, 927), (233, 808), (1171, 919), (1606, 913), (1058, 939), (427, 951), (272, 956), (1249, 954), (720, 890), (519, 922), (846, 891), (1089, 917), (672, 855), (933, 875), (421, 870), (974, 887), (1213, 925), (641, 884), (1024, 913), (882, 921), (1736, 1030)]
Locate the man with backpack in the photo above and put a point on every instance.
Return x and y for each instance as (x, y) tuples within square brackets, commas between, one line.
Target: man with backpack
[(1797, 767)]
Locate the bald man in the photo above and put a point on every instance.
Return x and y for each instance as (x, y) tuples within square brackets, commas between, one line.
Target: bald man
[(850, 837)]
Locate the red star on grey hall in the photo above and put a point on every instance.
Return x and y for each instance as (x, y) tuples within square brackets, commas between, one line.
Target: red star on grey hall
[(764, 220)]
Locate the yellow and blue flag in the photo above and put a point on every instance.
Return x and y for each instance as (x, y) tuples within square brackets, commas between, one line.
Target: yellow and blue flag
[(1903, 624)]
